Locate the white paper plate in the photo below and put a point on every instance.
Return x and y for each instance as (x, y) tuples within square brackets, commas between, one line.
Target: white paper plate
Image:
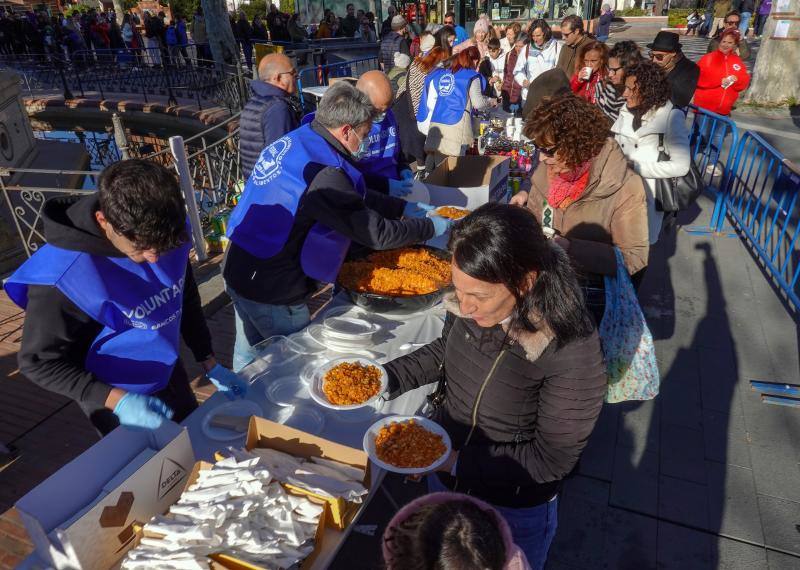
[(430, 425), (433, 212), (245, 408), (286, 391), (347, 323), (315, 388)]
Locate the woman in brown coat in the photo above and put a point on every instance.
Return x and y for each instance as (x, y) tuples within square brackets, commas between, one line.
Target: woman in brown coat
[(584, 192)]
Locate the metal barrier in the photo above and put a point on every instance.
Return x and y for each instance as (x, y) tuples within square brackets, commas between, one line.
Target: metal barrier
[(321, 74), (761, 199), (709, 134)]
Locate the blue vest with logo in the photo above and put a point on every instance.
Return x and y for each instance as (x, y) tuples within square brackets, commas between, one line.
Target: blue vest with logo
[(452, 90), (384, 147), (262, 220), (138, 304)]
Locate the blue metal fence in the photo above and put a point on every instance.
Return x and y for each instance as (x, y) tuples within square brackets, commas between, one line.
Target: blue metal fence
[(760, 197), (320, 75)]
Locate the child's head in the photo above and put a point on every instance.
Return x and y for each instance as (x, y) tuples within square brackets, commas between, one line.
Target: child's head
[(494, 47), (454, 533)]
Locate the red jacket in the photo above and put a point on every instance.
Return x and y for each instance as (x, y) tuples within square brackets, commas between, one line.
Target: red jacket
[(585, 89), (714, 67)]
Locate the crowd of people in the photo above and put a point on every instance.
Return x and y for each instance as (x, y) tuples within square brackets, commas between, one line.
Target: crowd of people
[(519, 363)]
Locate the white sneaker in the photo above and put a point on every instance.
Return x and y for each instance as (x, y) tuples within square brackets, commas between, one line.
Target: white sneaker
[(714, 170)]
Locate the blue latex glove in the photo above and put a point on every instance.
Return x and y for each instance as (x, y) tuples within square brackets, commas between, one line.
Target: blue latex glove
[(406, 174), (228, 382), (441, 225), (400, 188), (140, 411), (417, 210), (514, 107)]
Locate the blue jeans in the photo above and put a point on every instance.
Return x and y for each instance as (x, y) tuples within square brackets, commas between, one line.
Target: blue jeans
[(745, 23), (532, 528), (256, 322)]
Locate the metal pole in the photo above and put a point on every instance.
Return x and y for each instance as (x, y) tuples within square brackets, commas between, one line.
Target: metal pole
[(182, 166), (119, 136)]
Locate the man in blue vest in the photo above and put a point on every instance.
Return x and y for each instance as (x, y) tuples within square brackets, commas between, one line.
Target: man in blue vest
[(270, 112), (108, 298), (302, 206), (384, 167)]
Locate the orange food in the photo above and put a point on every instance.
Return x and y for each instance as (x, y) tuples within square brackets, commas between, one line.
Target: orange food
[(397, 272), (408, 444), (351, 383), (452, 212)]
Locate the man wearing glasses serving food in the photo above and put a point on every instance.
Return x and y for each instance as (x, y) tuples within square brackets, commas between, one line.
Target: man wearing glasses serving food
[(302, 206)]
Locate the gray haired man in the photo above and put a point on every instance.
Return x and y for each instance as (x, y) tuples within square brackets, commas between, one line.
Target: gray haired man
[(303, 205)]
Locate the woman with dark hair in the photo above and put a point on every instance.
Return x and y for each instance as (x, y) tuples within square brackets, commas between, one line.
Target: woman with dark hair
[(445, 110), (540, 55), (585, 194), (591, 67), (445, 38), (647, 124), (608, 93), (520, 372), (450, 530)]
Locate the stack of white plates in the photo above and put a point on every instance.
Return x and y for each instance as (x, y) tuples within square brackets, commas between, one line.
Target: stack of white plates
[(345, 329)]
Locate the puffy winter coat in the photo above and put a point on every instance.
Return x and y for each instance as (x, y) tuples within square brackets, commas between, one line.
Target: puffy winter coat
[(641, 149), (518, 417), (714, 67), (268, 115)]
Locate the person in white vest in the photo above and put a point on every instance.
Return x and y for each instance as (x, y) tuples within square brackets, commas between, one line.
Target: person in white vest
[(540, 55)]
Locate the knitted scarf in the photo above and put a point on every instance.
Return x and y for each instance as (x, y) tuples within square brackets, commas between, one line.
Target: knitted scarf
[(567, 187)]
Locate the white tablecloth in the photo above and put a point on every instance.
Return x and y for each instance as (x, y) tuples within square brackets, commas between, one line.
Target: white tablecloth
[(394, 333)]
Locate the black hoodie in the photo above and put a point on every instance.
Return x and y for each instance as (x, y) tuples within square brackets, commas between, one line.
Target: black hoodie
[(57, 335)]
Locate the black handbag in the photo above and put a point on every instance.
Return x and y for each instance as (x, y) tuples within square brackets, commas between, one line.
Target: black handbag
[(676, 194)]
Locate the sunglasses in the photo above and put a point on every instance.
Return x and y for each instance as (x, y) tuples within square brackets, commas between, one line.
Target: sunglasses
[(549, 152), (732, 22), (658, 56)]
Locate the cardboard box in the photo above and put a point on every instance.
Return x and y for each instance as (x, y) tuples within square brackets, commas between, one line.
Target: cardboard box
[(466, 181), (222, 560), (84, 515), (266, 434)]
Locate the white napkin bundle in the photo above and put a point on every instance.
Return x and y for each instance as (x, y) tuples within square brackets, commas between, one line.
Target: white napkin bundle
[(238, 508)]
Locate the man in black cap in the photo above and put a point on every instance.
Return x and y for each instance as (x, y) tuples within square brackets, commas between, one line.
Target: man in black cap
[(682, 73)]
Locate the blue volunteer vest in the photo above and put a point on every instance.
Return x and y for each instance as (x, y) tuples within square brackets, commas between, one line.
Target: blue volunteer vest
[(262, 220), (138, 304), (452, 90), (384, 147)]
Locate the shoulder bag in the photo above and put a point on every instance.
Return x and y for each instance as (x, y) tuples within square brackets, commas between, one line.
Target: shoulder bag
[(676, 194)]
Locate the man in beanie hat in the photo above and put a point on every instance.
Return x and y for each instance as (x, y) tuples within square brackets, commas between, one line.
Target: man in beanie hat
[(395, 41), (682, 73), (397, 76)]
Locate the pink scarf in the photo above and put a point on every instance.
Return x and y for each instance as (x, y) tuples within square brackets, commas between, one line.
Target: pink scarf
[(567, 187)]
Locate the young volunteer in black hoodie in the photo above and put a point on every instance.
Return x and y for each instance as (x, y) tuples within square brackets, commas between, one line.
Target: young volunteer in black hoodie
[(108, 298)]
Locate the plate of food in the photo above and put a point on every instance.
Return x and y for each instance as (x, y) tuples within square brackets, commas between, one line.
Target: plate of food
[(409, 445), (450, 212), (400, 281), (348, 383)]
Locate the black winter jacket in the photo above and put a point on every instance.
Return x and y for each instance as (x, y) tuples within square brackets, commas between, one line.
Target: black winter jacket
[(372, 221), (683, 81), (531, 422), (57, 334)]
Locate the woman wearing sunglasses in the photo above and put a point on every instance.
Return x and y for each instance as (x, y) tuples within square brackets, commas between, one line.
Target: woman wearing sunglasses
[(584, 194)]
